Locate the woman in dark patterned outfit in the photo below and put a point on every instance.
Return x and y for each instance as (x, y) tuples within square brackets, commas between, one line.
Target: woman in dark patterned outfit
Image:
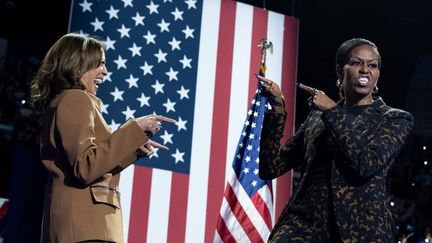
[(345, 150)]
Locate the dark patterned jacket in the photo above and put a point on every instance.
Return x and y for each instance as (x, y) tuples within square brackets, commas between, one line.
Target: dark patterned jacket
[(365, 151)]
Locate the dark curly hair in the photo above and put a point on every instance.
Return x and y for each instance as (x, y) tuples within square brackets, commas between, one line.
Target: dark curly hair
[(64, 64)]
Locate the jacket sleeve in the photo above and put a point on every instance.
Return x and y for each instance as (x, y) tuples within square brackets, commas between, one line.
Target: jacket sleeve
[(274, 159), (89, 159), (369, 153)]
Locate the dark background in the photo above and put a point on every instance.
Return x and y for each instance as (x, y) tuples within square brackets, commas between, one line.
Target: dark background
[(402, 30)]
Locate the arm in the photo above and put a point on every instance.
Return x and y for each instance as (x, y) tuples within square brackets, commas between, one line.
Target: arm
[(89, 159), (276, 160), (368, 154)]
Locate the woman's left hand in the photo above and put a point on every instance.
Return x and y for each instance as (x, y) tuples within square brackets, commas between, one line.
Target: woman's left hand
[(148, 147), (318, 100)]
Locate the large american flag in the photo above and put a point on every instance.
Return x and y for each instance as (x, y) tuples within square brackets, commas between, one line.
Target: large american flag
[(192, 61)]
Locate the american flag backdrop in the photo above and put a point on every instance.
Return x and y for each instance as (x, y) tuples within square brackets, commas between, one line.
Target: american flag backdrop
[(192, 61)]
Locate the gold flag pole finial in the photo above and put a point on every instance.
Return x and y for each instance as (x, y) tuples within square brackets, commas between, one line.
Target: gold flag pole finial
[(265, 45)]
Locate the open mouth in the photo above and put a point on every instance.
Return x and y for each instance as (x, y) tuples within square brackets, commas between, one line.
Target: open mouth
[(363, 81), (97, 82)]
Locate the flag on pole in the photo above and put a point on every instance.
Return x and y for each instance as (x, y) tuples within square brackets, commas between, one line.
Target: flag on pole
[(246, 214), (189, 60)]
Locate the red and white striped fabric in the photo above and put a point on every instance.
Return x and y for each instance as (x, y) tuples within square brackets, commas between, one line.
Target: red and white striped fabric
[(162, 206)]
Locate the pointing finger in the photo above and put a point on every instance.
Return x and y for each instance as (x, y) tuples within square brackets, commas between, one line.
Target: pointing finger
[(146, 150), (310, 90), (265, 80), (165, 119), (158, 145)]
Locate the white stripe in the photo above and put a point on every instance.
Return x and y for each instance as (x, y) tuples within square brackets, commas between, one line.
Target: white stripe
[(294, 101), (239, 81), (275, 33), (250, 209), (125, 188), (274, 186), (265, 193), (70, 15), (232, 224), (157, 229), (217, 238), (202, 124)]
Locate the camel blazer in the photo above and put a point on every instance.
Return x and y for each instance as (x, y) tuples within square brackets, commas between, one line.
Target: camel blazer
[(84, 160), (366, 150)]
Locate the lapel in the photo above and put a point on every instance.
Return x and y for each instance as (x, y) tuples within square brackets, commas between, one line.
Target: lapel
[(315, 126)]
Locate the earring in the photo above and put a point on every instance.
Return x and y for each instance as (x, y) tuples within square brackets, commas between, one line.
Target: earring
[(339, 86), (375, 90)]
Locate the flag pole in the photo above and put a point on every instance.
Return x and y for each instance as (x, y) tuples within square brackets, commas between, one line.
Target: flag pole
[(265, 46), (246, 213)]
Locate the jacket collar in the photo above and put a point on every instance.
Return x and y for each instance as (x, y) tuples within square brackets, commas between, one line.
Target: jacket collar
[(378, 103), (96, 101), (371, 116)]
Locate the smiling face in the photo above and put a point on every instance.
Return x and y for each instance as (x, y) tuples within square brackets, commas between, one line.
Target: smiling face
[(360, 75), (93, 77)]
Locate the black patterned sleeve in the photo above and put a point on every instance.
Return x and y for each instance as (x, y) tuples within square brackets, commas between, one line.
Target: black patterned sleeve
[(369, 152), (274, 159)]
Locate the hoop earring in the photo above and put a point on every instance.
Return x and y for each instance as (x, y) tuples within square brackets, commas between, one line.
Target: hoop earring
[(340, 89), (375, 90)]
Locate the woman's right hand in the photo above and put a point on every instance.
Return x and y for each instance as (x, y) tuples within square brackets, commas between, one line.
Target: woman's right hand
[(318, 99), (147, 149), (152, 123)]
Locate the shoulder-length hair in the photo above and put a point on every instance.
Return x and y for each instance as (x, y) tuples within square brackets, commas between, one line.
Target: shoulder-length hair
[(63, 66)]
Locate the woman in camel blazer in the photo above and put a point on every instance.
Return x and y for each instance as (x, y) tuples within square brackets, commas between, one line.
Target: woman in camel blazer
[(83, 156)]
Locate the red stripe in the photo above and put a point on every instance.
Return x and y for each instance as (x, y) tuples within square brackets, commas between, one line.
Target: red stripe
[(178, 207), (259, 31), (220, 118), (263, 210), (289, 77), (140, 204), (241, 215), (224, 232)]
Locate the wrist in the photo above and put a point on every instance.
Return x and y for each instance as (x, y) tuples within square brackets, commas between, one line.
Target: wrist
[(280, 101), (279, 109)]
